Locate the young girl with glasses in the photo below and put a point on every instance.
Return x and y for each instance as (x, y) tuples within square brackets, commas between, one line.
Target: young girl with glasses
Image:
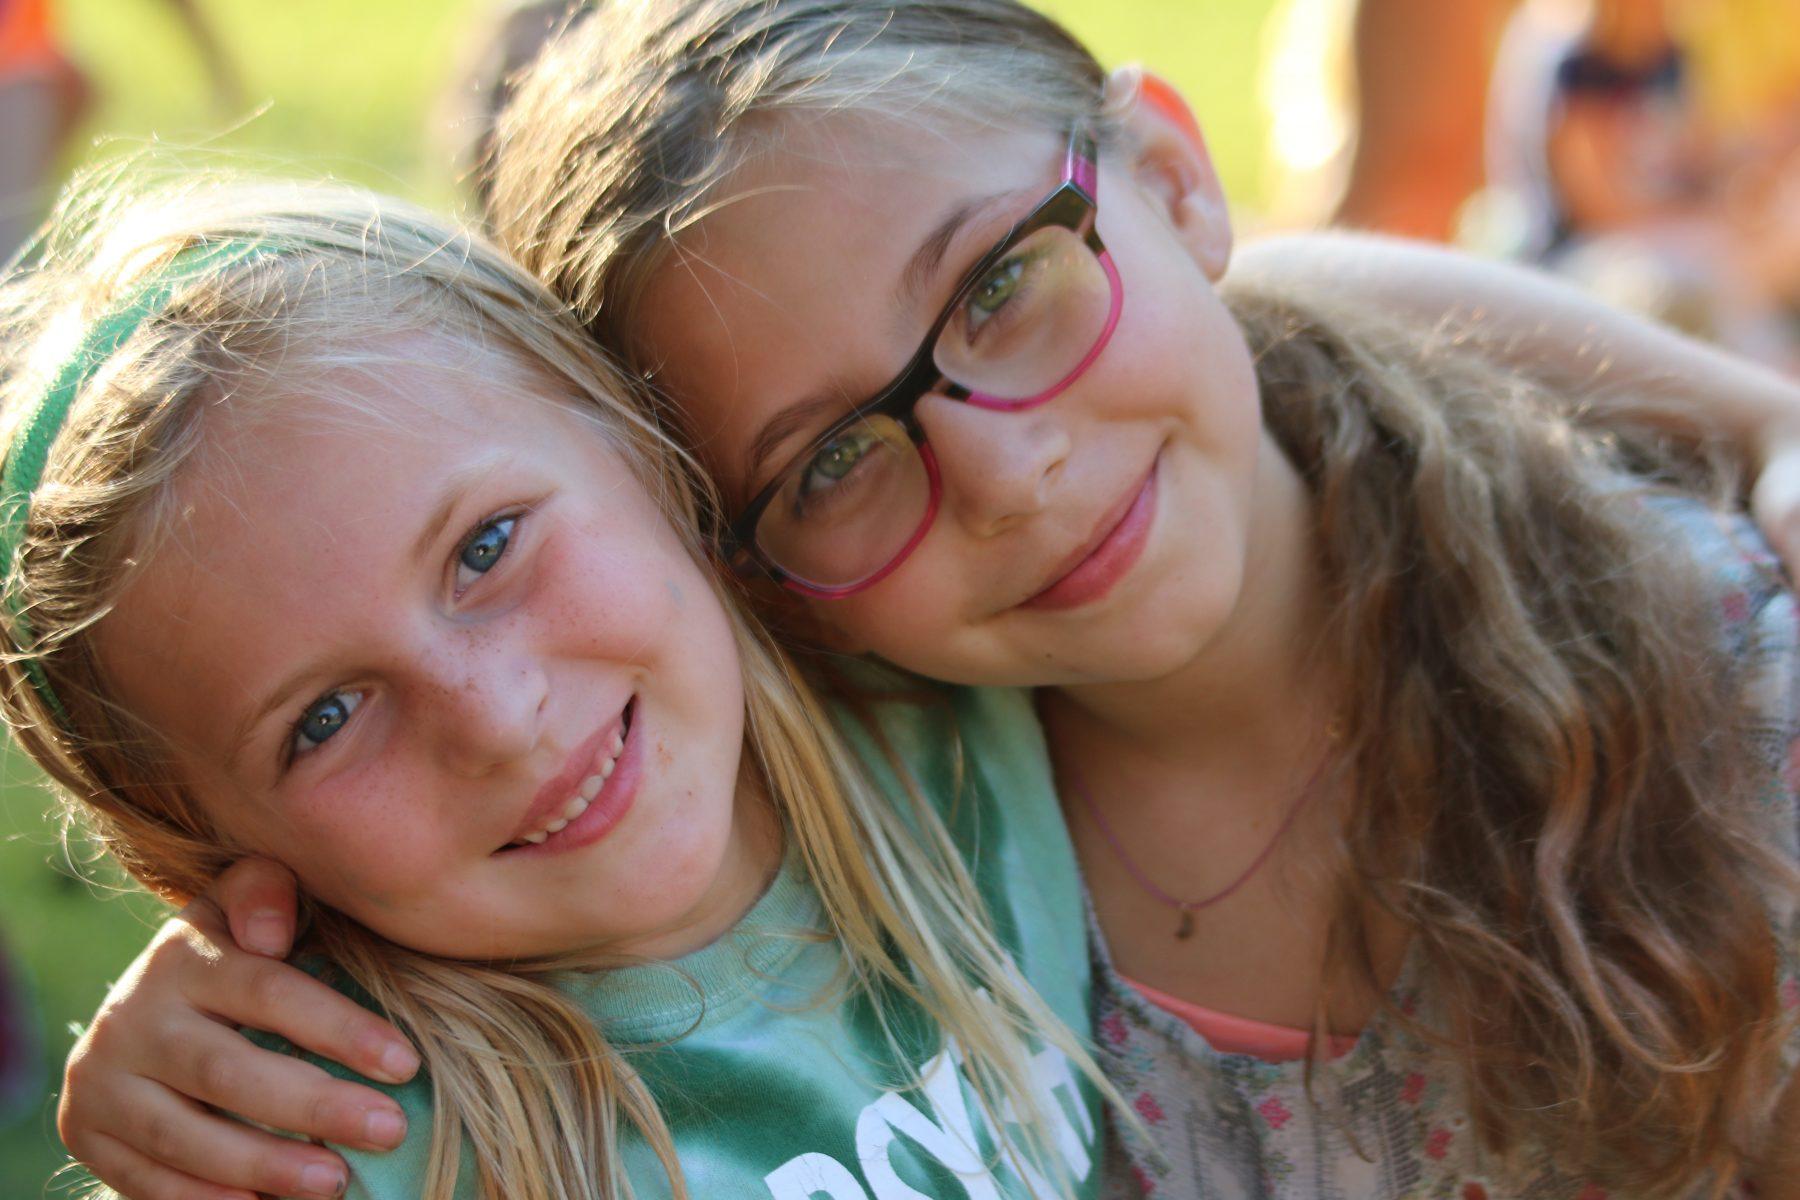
[(332, 539), (1422, 748)]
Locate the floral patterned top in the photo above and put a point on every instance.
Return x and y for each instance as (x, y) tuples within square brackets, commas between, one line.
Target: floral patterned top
[(1390, 1124)]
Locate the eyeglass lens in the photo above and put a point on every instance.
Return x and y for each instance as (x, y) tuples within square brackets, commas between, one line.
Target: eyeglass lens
[(843, 514)]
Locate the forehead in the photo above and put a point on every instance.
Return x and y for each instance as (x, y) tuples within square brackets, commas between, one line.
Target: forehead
[(789, 285), (358, 441), (291, 526)]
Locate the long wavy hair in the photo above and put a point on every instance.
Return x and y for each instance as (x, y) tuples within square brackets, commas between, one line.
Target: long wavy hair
[(522, 1082), (1548, 770)]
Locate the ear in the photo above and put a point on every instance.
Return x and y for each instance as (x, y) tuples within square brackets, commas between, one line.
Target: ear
[(1169, 159)]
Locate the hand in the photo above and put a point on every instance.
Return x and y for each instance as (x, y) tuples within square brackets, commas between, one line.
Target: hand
[(165, 1046), (1775, 497)]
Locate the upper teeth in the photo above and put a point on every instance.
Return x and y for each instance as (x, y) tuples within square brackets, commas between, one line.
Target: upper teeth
[(584, 795)]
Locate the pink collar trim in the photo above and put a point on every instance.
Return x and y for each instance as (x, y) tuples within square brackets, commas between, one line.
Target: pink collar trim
[(1241, 1035)]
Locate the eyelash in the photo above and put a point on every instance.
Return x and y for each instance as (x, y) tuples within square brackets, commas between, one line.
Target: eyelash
[(292, 751)]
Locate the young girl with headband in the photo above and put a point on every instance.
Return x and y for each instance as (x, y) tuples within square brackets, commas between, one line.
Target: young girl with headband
[(1421, 748), (331, 539)]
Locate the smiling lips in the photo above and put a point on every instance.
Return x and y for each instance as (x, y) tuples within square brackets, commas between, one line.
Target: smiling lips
[(572, 795), (1092, 571)]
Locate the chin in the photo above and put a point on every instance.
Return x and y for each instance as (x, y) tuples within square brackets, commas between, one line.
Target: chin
[(1176, 642)]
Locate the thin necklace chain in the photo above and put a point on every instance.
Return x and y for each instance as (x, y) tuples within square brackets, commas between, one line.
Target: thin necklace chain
[(1188, 908)]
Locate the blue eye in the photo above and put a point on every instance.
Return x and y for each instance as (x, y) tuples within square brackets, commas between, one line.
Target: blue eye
[(479, 554), (322, 720)]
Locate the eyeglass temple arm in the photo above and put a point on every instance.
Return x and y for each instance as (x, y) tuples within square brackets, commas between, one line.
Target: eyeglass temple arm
[(1079, 165)]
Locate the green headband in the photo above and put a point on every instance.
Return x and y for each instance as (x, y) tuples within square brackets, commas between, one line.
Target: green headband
[(38, 429)]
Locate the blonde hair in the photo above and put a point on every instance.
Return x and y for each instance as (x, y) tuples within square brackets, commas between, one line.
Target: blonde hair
[(521, 1081), (1546, 760)]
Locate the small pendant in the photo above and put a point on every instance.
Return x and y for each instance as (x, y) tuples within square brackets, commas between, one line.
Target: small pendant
[(1186, 928)]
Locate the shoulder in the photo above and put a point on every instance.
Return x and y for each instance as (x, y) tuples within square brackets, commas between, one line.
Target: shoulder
[(1759, 626), (1760, 630), (949, 741), (977, 758), (1754, 606), (398, 1174)]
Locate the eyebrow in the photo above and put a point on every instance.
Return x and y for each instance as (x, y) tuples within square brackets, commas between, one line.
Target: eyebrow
[(457, 486), (925, 262), (787, 422), (920, 269)]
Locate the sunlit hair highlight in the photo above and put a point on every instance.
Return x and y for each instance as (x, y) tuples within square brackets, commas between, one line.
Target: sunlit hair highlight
[(1546, 770), (523, 1084)]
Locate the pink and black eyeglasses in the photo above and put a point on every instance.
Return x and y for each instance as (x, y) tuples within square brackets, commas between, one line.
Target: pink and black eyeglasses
[(1026, 322)]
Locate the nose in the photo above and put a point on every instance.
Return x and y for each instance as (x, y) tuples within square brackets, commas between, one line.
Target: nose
[(999, 468), (484, 701)]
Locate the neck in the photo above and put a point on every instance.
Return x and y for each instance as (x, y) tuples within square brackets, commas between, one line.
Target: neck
[(1254, 686)]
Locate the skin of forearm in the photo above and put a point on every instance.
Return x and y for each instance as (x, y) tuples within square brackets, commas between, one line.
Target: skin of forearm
[(1414, 165), (1614, 366)]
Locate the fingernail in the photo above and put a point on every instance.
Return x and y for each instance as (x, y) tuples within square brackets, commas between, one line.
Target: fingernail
[(384, 1128), (319, 1179), (265, 933), (398, 1061)]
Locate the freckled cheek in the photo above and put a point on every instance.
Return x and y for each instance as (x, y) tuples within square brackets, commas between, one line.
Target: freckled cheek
[(680, 841), (373, 842), (603, 591)]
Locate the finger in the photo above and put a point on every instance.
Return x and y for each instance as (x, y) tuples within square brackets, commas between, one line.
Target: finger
[(258, 896), (227, 1071), (136, 1177), (286, 1001), (180, 1136)]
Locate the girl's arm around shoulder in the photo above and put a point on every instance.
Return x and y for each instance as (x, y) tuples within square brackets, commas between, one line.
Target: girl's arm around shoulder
[(939, 736), (147, 1083), (400, 1173), (1618, 369)]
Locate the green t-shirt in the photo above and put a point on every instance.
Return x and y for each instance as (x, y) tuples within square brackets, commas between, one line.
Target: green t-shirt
[(768, 1092)]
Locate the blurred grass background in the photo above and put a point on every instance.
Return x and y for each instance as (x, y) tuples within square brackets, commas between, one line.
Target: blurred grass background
[(349, 87)]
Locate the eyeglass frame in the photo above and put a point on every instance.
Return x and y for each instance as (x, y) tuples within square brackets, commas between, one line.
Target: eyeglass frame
[(1071, 205)]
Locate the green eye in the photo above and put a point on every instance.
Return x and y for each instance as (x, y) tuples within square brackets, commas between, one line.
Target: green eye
[(837, 460), (997, 287)]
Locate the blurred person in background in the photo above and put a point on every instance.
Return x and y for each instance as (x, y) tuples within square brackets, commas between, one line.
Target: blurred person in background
[(21, 1051), (1649, 149), (503, 40), (41, 97), (44, 95), (1376, 110)]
